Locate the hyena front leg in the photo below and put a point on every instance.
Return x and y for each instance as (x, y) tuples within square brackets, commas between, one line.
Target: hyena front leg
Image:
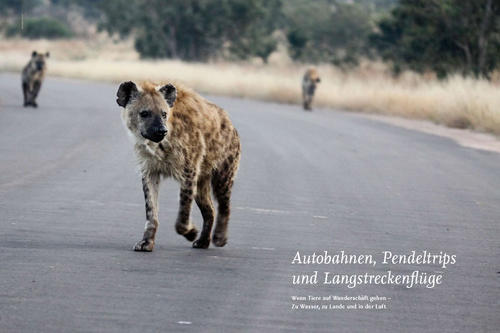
[(150, 185), (183, 225), (34, 93), (307, 102), (25, 94)]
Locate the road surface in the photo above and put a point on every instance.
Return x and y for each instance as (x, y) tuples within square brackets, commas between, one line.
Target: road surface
[(71, 208)]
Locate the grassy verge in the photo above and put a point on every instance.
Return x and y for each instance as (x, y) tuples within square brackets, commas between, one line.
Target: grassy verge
[(456, 102)]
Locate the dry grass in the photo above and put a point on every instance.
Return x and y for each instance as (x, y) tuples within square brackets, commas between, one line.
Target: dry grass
[(457, 102)]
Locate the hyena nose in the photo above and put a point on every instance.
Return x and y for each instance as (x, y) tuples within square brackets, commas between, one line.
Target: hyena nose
[(161, 131)]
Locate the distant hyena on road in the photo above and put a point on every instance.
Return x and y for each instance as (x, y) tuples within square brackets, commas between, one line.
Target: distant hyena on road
[(309, 82), (179, 134), (32, 78)]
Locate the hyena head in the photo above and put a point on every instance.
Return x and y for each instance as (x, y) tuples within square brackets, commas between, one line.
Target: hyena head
[(313, 75), (146, 109), (38, 60)]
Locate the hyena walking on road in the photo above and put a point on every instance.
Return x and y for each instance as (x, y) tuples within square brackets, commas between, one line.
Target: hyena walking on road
[(309, 82), (32, 78), (179, 134)]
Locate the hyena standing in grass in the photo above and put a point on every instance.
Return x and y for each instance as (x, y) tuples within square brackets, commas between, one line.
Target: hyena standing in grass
[(33, 74), (179, 134), (309, 82)]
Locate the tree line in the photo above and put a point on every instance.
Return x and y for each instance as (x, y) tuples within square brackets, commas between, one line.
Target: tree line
[(442, 36)]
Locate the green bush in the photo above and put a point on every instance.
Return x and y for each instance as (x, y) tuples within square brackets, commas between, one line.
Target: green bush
[(40, 28), (441, 36)]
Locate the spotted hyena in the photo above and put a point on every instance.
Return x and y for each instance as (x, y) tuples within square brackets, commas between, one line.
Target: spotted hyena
[(309, 82), (179, 134), (32, 78)]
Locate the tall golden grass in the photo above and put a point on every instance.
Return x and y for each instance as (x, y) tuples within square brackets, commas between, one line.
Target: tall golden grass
[(456, 102)]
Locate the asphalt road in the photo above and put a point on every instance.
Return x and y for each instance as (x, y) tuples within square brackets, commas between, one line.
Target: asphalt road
[(71, 208)]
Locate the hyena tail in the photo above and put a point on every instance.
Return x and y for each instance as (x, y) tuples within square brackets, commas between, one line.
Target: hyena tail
[(222, 183)]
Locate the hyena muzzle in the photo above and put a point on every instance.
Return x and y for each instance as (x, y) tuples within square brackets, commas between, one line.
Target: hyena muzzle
[(309, 82), (32, 77), (179, 134)]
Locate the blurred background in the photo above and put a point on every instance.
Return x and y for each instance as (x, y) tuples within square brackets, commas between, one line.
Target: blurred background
[(424, 59)]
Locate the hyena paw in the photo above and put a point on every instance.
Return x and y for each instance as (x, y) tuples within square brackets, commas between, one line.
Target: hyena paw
[(34, 104), (219, 240), (201, 243), (189, 232), (144, 245)]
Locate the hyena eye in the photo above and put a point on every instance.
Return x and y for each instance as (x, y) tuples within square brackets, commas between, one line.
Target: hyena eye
[(145, 114), (164, 114)]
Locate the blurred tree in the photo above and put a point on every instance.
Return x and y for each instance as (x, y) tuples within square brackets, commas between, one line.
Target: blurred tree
[(377, 5), (119, 16), (327, 31), (194, 29), (190, 30), (252, 24), (442, 36), (14, 6), (35, 28), (90, 8)]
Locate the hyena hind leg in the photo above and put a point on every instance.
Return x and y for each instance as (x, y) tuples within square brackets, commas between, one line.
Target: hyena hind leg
[(183, 225), (204, 202), (222, 183)]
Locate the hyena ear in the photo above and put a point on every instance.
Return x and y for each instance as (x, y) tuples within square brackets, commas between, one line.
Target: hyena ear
[(33, 54), (47, 54), (169, 93), (126, 92)]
